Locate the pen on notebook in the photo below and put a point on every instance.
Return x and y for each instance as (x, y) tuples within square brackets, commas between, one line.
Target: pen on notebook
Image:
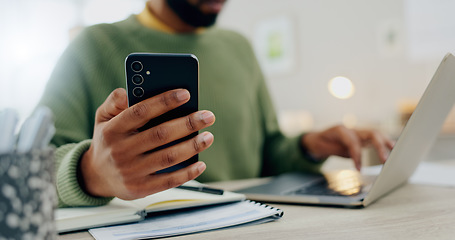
[(203, 189)]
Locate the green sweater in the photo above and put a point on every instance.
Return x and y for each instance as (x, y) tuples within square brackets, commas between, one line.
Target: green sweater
[(247, 143)]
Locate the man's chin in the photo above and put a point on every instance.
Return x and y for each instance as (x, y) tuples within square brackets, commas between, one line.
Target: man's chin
[(195, 15)]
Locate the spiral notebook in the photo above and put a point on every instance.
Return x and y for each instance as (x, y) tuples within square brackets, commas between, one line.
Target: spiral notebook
[(120, 211), (191, 221)]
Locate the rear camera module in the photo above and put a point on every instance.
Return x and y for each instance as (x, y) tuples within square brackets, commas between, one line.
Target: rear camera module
[(136, 66), (138, 92), (137, 79)]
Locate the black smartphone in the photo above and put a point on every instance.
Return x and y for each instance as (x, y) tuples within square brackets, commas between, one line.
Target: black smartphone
[(149, 74)]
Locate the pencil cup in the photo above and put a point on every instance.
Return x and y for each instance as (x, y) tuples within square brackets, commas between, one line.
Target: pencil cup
[(27, 195)]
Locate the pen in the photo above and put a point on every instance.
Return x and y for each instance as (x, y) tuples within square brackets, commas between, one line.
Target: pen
[(203, 189)]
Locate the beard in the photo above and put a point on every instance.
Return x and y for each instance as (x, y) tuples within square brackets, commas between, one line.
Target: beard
[(191, 14)]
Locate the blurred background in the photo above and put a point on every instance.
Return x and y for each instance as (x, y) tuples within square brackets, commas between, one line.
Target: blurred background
[(353, 62)]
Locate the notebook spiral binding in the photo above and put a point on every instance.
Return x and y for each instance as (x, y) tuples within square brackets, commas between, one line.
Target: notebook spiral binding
[(278, 215)]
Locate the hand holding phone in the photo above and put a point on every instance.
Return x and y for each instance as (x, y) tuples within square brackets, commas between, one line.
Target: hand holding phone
[(149, 74), (126, 154)]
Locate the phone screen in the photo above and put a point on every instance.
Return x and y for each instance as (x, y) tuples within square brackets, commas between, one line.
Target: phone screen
[(149, 74)]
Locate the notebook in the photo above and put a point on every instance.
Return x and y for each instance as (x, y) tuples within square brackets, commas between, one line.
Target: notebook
[(348, 187), (192, 221), (120, 211)]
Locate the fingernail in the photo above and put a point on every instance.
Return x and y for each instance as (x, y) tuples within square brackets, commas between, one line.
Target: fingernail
[(182, 95), (201, 167), (207, 137), (207, 117)]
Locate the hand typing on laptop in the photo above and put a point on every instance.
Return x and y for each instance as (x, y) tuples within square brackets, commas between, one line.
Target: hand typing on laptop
[(349, 188), (345, 142)]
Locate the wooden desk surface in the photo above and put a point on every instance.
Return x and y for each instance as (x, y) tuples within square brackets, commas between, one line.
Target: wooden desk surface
[(410, 212)]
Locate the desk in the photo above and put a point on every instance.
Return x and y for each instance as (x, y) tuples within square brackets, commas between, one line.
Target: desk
[(410, 212)]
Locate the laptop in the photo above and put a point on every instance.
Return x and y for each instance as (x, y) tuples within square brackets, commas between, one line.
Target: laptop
[(351, 189)]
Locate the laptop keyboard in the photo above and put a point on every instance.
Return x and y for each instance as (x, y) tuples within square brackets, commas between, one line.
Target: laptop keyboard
[(322, 188), (340, 183)]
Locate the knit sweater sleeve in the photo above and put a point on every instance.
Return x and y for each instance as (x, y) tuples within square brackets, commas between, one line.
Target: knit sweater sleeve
[(69, 190), (280, 153)]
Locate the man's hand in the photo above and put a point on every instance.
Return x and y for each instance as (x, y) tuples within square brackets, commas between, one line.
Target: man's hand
[(118, 162), (345, 142)]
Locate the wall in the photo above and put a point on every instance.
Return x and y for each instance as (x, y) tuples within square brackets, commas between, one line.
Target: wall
[(363, 40)]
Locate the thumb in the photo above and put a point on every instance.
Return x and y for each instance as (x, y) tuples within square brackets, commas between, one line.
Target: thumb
[(114, 104)]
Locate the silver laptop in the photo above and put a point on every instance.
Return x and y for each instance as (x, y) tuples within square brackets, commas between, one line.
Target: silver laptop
[(348, 187)]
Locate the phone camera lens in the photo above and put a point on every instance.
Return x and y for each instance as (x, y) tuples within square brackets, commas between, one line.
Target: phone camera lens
[(138, 79), (138, 92), (136, 66)]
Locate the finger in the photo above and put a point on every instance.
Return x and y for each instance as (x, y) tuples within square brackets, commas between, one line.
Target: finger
[(390, 144), (159, 182), (379, 143), (114, 104), (159, 160), (352, 142), (139, 114), (170, 131)]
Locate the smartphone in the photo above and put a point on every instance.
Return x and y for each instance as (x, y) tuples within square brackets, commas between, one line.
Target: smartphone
[(149, 74)]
